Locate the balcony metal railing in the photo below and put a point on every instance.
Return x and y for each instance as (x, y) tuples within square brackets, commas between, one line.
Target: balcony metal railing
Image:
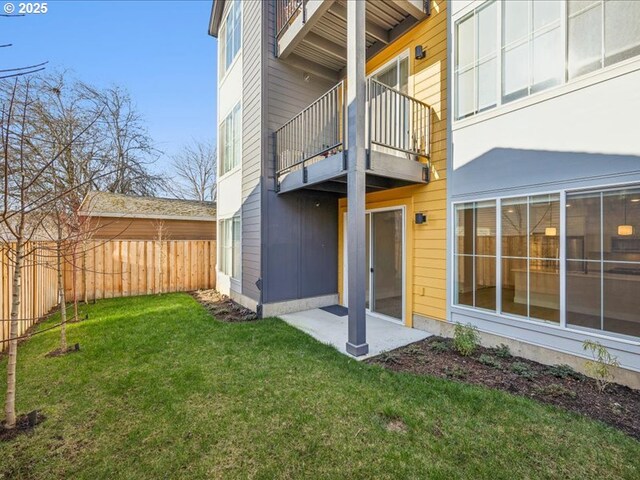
[(285, 10), (317, 131), (396, 122)]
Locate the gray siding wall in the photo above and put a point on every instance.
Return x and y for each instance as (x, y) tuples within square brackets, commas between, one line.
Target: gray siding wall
[(252, 35), (300, 230)]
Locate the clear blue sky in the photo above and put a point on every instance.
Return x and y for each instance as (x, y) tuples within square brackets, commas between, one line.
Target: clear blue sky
[(158, 50)]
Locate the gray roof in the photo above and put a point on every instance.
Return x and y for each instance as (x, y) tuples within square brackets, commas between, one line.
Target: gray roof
[(107, 204)]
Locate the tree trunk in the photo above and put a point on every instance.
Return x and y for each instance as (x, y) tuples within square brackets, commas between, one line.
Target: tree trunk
[(63, 304), (10, 400), (74, 279), (84, 275)]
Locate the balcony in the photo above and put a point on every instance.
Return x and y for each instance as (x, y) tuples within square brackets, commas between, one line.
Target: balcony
[(310, 148), (312, 34)]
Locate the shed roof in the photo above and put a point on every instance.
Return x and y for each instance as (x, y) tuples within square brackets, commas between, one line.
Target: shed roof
[(107, 204)]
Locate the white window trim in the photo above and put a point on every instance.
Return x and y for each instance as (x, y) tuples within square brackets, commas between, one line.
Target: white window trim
[(397, 59), (228, 71), (238, 167), (222, 41), (561, 325), (567, 86), (221, 247), (599, 76)]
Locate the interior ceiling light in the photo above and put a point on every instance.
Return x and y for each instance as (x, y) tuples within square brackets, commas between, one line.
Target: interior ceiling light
[(625, 230)]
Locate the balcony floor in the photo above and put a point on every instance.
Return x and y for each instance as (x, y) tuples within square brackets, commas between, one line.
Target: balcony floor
[(328, 174)]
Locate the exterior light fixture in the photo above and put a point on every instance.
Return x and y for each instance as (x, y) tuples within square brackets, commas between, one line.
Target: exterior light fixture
[(420, 52), (625, 230), (306, 77), (421, 218)]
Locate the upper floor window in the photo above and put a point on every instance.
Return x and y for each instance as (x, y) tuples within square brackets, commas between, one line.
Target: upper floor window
[(509, 50), (231, 140), (601, 33), (231, 36)]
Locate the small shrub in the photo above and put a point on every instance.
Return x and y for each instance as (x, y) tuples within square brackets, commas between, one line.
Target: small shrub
[(414, 349), (555, 390), (602, 364), (502, 351), (457, 372), (523, 370), (490, 361), (387, 357), (563, 371), (439, 346), (465, 339)]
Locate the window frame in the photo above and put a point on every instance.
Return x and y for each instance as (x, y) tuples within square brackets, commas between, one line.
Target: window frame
[(404, 55), (565, 85), (518, 319), (230, 137), (227, 229), (224, 68)]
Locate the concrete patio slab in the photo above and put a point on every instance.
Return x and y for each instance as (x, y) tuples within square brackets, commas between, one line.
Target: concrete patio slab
[(382, 335)]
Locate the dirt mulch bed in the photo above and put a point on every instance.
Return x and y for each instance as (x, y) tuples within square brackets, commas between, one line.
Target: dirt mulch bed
[(618, 405), (223, 308), (24, 424), (59, 353)]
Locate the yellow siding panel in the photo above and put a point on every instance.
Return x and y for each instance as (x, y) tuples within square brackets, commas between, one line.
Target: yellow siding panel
[(426, 244)]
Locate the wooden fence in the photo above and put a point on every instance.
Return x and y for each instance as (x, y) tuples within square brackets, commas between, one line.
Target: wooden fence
[(107, 269), (125, 268), (39, 293)]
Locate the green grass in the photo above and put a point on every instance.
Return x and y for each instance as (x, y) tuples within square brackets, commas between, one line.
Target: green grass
[(161, 390)]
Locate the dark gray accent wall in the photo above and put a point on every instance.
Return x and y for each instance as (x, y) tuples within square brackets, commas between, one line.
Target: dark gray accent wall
[(300, 230), (252, 35), (301, 255)]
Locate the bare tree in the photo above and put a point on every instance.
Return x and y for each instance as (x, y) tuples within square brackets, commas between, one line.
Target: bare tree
[(127, 146), (27, 202), (21, 70), (194, 171)]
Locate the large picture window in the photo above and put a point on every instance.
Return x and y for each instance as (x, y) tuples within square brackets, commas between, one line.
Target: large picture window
[(538, 50), (231, 140), (603, 261), (530, 257), (475, 254), (230, 246), (520, 246)]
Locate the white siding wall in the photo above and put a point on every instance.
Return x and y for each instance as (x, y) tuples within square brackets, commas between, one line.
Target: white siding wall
[(230, 185), (592, 115)]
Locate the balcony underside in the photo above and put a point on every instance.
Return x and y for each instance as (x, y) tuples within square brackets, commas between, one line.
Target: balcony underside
[(384, 171), (315, 37)]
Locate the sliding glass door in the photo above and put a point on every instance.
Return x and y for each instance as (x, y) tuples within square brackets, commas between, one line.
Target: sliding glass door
[(384, 249), (386, 263)]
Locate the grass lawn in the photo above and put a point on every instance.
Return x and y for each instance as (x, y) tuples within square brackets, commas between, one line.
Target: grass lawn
[(161, 390)]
